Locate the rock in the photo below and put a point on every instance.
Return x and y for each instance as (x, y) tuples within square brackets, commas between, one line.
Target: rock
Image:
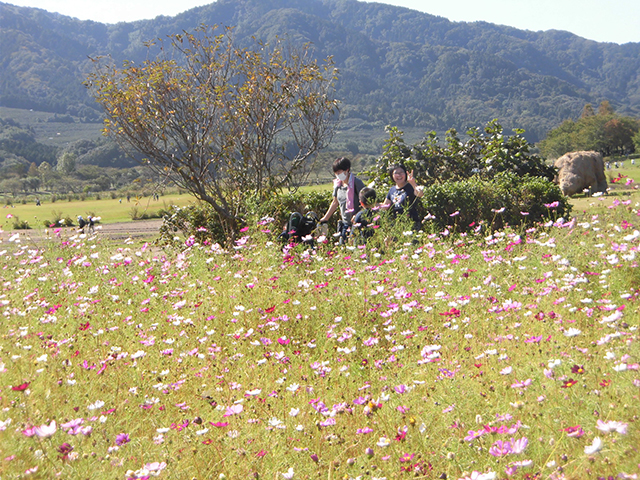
[(580, 170)]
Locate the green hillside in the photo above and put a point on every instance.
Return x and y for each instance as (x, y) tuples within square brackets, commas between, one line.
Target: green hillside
[(397, 66)]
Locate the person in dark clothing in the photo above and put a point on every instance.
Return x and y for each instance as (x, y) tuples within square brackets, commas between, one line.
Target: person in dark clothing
[(81, 223), (362, 222), (299, 228), (402, 196)]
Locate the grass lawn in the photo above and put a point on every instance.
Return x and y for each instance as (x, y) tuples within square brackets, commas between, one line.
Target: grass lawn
[(109, 210)]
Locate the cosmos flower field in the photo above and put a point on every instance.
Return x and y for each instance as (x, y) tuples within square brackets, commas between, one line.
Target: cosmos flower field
[(512, 355)]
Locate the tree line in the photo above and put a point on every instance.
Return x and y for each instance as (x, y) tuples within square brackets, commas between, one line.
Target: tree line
[(601, 130)]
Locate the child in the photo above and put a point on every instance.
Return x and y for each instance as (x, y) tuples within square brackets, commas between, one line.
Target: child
[(362, 229)]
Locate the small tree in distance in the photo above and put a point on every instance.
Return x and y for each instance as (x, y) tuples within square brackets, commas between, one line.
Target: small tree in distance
[(226, 124), (66, 163)]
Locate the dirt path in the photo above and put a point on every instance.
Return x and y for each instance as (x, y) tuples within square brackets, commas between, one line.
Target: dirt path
[(112, 231)]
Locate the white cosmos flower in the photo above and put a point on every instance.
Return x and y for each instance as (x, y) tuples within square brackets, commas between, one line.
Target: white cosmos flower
[(383, 442), (95, 406), (554, 363), (274, 422), (572, 332), (5, 424), (617, 315), (289, 474), (612, 426), (595, 447), (45, 431)]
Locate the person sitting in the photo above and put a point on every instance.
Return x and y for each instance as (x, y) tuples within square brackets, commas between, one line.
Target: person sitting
[(299, 228), (346, 191), (362, 222), (402, 196)]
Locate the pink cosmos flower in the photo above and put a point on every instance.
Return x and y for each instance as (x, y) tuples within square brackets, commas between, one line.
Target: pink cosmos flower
[(122, 438), (472, 435), (233, 410), (72, 424), (518, 446), (500, 448), (574, 432), (364, 430)]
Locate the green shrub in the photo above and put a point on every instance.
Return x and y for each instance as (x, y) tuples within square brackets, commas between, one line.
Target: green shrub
[(507, 199), (137, 214), (281, 206), (203, 223), (20, 224), (197, 220), (58, 220)]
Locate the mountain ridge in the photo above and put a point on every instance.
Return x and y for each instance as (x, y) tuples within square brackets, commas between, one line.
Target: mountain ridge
[(398, 66)]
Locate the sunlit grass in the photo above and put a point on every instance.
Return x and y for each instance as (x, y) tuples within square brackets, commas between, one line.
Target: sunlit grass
[(507, 355), (109, 210)]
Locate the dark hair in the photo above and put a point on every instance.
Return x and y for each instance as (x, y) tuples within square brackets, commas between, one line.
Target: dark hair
[(393, 167), (367, 196), (341, 164)]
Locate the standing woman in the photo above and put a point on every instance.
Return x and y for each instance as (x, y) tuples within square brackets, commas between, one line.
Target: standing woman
[(346, 189), (402, 196)]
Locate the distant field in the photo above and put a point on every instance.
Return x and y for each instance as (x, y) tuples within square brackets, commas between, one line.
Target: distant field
[(59, 134), (109, 210)]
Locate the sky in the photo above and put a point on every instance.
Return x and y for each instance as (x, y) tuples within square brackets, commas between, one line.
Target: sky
[(616, 21)]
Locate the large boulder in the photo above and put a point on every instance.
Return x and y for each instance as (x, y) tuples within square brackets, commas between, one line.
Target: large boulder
[(580, 170)]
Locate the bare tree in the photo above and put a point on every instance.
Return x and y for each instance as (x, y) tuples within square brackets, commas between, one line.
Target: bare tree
[(227, 124)]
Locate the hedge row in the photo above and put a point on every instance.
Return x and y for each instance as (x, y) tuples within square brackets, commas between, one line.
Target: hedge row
[(505, 200)]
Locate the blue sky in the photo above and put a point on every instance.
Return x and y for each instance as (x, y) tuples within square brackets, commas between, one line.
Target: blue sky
[(615, 21)]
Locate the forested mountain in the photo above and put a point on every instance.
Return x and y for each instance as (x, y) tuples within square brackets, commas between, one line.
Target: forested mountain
[(397, 66)]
